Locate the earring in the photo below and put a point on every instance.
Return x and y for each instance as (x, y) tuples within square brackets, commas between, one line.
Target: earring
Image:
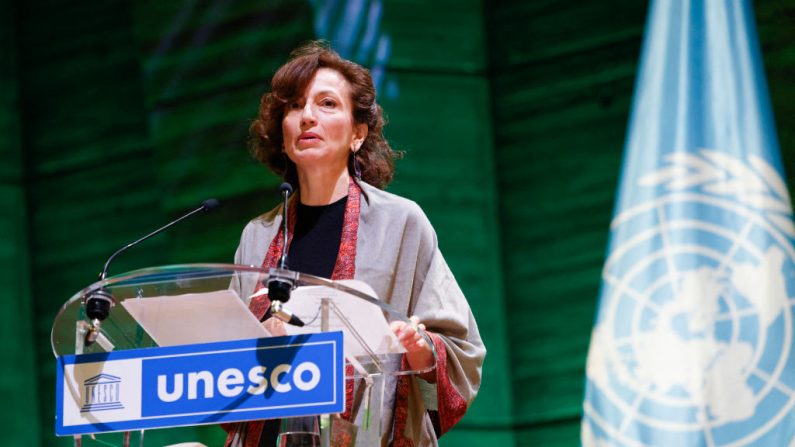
[(357, 170)]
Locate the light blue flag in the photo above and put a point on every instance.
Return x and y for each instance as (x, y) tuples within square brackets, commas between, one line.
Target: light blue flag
[(693, 340)]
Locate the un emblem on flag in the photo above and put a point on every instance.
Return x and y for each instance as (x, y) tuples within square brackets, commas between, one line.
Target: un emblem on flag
[(693, 341)]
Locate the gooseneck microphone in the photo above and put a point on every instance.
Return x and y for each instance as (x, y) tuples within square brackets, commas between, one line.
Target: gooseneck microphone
[(207, 205), (286, 190), (279, 287), (99, 302)]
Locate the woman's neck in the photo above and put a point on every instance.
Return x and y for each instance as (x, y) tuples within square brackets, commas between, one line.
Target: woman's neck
[(323, 188)]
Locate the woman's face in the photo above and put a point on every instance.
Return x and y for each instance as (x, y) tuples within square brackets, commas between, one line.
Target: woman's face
[(318, 127)]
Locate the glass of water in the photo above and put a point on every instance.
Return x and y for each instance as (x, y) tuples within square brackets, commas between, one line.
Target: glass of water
[(299, 432)]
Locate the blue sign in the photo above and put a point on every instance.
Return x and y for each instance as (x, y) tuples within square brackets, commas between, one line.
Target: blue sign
[(200, 384)]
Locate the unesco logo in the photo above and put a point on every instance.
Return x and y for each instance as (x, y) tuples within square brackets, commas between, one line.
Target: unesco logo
[(695, 327), (101, 393)]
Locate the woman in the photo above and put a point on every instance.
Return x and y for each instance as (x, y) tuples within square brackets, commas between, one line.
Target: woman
[(321, 128)]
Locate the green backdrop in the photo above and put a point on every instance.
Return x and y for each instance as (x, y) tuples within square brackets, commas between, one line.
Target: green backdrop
[(118, 115)]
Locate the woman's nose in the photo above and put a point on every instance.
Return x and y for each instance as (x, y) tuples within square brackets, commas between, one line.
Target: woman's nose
[(307, 115)]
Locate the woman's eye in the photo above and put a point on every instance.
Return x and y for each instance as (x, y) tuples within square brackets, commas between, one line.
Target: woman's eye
[(328, 103), (295, 105)]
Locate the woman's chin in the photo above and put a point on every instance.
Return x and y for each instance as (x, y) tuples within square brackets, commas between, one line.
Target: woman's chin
[(309, 162), (316, 155)]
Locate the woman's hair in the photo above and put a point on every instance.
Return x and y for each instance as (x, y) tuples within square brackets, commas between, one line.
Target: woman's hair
[(375, 157)]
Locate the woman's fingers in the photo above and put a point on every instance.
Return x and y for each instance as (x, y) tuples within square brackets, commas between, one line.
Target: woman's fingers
[(275, 326), (410, 334)]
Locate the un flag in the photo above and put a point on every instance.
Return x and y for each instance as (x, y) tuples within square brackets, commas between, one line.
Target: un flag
[(693, 340)]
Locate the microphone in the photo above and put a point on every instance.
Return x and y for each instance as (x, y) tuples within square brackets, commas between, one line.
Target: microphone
[(207, 205), (286, 190), (279, 288), (99, 302)]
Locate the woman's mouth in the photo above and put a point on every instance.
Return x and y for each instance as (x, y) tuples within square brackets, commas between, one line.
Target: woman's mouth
[(309, 137)]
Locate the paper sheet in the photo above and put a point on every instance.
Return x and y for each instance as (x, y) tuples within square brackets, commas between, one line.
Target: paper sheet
[(367, 318), (195, 318)]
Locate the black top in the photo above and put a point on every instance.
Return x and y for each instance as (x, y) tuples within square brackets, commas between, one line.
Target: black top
[(313, 250), (316, 238)]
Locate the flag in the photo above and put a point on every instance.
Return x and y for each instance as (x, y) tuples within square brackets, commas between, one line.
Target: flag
[(693, 339)]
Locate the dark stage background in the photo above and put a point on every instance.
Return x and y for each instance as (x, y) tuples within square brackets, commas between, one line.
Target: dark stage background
[(118, 115)]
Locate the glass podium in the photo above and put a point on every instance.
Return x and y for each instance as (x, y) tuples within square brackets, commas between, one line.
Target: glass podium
[(369, 366)]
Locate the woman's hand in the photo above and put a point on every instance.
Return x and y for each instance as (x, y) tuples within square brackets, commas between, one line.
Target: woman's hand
[(420, 354), (275, 326)]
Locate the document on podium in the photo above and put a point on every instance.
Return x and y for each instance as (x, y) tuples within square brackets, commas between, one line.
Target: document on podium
[(195, 318), (367, 318)]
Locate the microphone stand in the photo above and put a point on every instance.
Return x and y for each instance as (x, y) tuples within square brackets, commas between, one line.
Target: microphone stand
[(280, 284), (99, 302)]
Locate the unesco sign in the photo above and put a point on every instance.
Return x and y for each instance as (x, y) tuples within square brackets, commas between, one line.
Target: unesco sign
[(200, 384)]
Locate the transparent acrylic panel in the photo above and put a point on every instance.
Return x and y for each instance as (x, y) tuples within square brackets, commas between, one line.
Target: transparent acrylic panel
[(120, 331)]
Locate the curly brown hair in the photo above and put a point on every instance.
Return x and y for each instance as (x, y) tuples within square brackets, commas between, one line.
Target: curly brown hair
[(375, 157)]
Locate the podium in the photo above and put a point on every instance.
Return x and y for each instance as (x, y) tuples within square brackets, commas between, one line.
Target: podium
[(179, 347)]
